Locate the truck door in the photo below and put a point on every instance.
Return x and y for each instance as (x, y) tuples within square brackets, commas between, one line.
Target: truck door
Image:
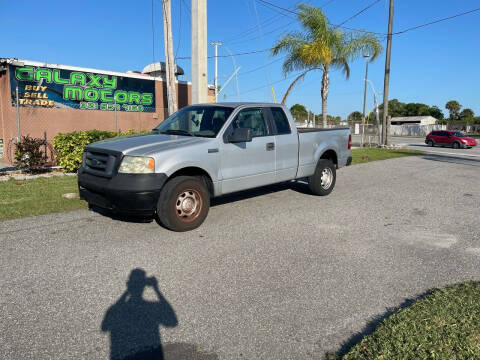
[(286, 146), (249, 164)]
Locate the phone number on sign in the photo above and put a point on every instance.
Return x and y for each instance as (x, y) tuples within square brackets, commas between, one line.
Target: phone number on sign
[(109, 106)]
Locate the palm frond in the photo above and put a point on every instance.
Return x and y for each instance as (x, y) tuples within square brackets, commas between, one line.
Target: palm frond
[(358, 43), (341, 64), (294, 82)]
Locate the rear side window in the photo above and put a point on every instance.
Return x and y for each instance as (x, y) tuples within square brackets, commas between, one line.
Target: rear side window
[(435, 133), (281, 121)]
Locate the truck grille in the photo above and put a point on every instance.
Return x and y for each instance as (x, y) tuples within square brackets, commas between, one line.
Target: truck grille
[(100, 163)]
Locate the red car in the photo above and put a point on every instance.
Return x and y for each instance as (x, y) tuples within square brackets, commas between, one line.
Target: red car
[(454, 139)]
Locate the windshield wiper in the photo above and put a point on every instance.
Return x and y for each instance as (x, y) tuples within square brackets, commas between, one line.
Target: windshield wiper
[(177, 132)]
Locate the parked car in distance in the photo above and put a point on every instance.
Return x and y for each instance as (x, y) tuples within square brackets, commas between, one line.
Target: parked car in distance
[(455, 139), (208, 150)]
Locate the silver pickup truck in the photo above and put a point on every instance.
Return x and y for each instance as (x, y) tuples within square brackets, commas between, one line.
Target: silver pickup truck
[(208, 150)]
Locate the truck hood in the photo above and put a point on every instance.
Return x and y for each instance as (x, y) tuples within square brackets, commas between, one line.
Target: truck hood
[(147, 144)]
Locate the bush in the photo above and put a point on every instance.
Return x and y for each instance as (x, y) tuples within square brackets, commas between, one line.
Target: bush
[(28, 155), (69, 146)]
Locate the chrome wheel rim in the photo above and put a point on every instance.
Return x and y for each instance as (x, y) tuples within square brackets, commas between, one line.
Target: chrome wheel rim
[(327, 178), (188, 205)]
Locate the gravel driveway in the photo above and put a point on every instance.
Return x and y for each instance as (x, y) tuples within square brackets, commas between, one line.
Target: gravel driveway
[(272, 274)]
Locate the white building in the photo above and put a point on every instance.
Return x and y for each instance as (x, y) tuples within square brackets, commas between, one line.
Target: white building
[(411, 120)]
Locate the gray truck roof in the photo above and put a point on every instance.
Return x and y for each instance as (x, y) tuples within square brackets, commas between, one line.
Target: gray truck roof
[(238, 103)]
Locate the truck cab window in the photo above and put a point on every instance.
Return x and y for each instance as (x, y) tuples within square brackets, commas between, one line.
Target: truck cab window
[(280, 120), (204, 121), (251, 119)]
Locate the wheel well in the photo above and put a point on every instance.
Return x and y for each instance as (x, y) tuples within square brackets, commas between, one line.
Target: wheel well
[(195, 172), (330, 155)]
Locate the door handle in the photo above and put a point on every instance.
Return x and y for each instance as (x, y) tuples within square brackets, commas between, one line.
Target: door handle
[(270, 146)]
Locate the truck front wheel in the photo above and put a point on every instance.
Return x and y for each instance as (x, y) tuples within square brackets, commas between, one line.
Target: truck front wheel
[(322, 181), (183, 203)]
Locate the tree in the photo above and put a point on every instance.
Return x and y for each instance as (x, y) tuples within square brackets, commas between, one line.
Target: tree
[(322, 46), (395, 108), (453, 106), (436, 112), (399, 109), (355, 116), (298, 111), (467, 115)]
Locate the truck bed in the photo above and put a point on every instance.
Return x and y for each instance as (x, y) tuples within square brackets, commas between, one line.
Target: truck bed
[(312, 142), (306, 130)]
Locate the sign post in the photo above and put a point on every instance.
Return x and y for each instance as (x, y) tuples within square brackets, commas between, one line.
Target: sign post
[(18, 115)]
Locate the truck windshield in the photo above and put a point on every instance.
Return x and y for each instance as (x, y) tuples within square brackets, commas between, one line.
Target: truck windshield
[(204, 121), (458, 134)]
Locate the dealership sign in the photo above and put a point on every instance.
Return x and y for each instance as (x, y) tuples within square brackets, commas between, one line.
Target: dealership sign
[(60, 88)]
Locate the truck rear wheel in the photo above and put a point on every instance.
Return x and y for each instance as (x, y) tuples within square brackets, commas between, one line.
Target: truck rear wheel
[(183, 203), (322, 181)]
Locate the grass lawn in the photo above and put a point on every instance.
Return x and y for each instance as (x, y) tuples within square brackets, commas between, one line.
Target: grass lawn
[(445, 324), (365, 155), (20, 198), (44, 195)]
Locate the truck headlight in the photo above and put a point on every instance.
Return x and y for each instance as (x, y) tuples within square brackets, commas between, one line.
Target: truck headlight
[(137, 165)]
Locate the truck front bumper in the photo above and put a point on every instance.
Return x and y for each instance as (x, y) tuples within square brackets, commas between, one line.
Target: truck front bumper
[(125, 193)]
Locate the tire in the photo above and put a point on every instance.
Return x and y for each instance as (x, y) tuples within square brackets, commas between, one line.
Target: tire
[(183, 203), (323, 180), (430, 143), (456, 145)]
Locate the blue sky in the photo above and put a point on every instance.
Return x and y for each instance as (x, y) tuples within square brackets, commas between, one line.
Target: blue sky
[(430, 65)]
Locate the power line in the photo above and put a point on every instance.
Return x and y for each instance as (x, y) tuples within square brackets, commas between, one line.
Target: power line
[(261, 67), (394, 33), (265, 23), (335, 26), (275, 82), (267, 33), (276, 6), (357, 13), (436, 21), (223, 56)]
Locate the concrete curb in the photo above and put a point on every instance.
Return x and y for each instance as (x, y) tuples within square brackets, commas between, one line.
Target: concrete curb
[(17, 176)]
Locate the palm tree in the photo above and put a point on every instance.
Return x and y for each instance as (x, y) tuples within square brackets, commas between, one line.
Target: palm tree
[(322, 46)]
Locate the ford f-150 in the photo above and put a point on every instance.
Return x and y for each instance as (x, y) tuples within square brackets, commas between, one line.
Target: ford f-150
[(204, 151)]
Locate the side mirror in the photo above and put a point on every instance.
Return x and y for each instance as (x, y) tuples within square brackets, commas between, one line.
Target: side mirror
[(240, 135)]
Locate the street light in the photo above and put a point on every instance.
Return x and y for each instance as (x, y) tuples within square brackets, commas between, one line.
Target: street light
[(376, 111), (366, 55)]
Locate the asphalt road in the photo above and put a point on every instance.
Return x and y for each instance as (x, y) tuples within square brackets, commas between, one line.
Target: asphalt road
[(272, 274), (418, 143)]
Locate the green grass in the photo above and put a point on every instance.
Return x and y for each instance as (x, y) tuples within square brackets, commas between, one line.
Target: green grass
[(443, 325), (42, 196), (38, 196), (365, 155)]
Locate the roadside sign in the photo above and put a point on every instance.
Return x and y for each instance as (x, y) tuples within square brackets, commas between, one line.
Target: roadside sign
[(357, 128)]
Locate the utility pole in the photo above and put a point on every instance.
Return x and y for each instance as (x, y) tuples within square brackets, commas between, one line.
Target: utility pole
[(386, 81), (215, 81), (366, 56), (199, 51), (169, 61)]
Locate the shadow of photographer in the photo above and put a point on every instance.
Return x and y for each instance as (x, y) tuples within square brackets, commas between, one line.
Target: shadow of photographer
[(133, 322)]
